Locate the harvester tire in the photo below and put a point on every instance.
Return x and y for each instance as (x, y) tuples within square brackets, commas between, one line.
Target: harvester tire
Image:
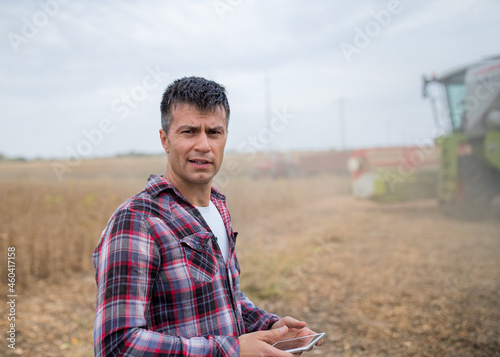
[(475, 189)]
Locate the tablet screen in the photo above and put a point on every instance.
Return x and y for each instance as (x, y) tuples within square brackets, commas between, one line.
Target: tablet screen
[(297, 344)]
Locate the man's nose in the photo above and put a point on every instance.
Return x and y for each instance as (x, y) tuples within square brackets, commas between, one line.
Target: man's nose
[(202, 143)]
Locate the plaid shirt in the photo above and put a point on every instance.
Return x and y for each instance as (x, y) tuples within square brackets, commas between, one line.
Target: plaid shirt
[(163, 287)]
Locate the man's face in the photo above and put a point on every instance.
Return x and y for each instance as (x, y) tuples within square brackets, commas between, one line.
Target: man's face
[(195, 146)]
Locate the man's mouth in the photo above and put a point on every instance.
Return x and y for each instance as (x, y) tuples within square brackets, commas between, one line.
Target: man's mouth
[(200, 161)]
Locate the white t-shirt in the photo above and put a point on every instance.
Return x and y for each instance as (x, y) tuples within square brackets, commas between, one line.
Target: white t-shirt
[(214, 220)]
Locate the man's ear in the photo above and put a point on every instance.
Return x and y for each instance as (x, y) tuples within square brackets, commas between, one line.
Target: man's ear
[(164, 140)]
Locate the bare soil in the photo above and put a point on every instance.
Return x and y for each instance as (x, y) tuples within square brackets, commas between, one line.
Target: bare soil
[(401, 280), (381, 280)]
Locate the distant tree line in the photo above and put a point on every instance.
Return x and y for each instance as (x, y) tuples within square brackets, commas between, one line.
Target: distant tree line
[(5, 158)]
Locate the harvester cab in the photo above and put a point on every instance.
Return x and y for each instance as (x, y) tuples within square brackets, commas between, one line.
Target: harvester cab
[(469, 103)]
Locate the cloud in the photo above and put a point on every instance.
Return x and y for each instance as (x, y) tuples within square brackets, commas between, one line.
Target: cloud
[(91, 53)]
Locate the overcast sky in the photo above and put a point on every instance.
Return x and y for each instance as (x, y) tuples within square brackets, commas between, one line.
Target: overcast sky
[(86, 77)]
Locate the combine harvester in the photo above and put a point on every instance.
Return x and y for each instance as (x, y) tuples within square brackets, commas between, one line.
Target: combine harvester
[(394, 173), (463, 171), (469, 177)]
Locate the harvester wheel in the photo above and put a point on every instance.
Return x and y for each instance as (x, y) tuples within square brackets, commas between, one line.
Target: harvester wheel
[(475, 189)]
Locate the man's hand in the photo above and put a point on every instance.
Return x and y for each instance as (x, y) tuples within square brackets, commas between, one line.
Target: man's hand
[(295, 327), (259, 343)]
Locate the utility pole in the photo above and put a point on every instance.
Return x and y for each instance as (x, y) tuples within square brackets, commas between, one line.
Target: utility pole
[(268, 107), (388, 132), (342, 130)]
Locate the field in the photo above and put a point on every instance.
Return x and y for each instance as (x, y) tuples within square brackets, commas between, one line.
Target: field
[(397, 279)]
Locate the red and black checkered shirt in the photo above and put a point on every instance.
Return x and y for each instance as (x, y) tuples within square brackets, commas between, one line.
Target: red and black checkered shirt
[(163, 287)]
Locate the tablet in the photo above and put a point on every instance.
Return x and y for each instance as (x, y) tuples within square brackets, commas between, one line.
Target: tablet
[(299, 344)]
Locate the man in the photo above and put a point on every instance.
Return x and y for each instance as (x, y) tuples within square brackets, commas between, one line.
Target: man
[(166, 269)]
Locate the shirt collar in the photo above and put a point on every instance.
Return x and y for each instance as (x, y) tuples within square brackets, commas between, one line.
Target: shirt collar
[(157, 184)]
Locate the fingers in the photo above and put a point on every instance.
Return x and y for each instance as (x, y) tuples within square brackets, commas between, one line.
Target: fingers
[(260, 343), (274, 335), (293, 323), (290, 322), (295, 328)]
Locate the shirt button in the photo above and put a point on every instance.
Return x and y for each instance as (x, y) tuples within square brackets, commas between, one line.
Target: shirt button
[(199, 246)]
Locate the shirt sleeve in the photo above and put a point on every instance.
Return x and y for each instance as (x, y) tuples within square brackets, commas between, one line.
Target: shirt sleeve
[(255, 319), (127, 261)]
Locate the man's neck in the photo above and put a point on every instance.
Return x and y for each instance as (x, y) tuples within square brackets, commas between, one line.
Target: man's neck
[(197, 194)]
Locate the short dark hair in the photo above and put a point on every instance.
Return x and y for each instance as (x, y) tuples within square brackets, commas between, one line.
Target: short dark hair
[(204, 94)]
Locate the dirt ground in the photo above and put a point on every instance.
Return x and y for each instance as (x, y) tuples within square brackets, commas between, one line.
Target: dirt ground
[(381, 280), (402, 280)]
